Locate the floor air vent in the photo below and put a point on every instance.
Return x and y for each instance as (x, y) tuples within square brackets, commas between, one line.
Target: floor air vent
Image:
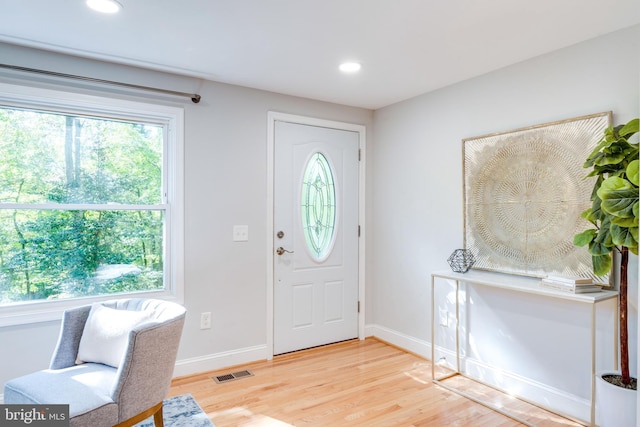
[(233, 376)]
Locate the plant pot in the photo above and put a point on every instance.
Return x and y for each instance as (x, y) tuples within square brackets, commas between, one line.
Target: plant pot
[(615, 406)]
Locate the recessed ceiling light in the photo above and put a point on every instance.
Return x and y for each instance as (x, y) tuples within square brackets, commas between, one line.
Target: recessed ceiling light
[(350, 67), (104, 6)]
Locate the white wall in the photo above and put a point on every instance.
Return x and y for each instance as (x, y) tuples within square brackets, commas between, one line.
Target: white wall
[(417, 215), (225, 172), (226, 159)]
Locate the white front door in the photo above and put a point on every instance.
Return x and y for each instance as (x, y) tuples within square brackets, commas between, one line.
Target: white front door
[(316, 236)]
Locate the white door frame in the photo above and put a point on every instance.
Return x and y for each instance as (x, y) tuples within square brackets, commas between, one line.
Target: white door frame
[(272, 117)]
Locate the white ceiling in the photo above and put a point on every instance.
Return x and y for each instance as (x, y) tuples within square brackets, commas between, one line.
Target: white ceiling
[(406, 47)]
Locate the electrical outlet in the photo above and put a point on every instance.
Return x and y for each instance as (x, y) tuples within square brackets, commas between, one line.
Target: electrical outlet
[(444, 317), (205, 320), (240, 233)]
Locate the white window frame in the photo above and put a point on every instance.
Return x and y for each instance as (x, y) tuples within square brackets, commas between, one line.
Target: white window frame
[(173, 174)]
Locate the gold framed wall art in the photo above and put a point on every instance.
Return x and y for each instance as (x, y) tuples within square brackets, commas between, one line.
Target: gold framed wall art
[(524, 191)]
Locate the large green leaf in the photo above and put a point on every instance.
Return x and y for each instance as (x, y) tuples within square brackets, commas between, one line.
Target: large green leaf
[(610, 158), (612, 152), (618, 197), (632, 172), (604, 236), (594, 195), (596, 153), (611, 145), (601, 264), (633, 126), (597, 248), (625, 222), (589, 216), (624, 236), (584, 238)]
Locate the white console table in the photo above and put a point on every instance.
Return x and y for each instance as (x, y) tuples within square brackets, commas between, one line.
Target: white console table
[(514, 284)]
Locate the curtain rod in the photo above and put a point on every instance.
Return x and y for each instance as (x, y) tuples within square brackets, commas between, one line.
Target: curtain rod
[(194, 97)]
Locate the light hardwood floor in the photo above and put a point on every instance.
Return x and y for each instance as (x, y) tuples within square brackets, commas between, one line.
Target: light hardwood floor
[(354, 383)]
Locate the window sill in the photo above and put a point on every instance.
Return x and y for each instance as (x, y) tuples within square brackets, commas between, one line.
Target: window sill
[(30, 312)]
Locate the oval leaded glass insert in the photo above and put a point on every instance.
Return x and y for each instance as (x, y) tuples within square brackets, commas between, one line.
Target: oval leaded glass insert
[(318, 205)]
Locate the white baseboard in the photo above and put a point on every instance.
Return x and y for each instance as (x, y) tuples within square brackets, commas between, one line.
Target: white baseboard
[(241, 356), (210, 362), (560, 401), (215, 361), (406, 342)]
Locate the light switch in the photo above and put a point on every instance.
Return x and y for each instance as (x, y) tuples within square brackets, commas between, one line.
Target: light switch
[(240, 233)]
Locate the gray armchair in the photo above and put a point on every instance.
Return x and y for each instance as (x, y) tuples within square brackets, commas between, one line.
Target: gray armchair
[(98, 393)]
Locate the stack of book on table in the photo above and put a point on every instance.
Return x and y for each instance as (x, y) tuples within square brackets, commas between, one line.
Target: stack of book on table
[(575, 285)]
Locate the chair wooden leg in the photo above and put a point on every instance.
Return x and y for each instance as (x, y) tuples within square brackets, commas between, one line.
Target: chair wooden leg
[(156, 411), (158, 418)]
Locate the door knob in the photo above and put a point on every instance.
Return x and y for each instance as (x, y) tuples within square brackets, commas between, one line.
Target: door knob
[(281, 251)]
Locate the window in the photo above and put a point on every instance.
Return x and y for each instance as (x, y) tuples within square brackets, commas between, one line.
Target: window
[(318, 200), (90, 200)]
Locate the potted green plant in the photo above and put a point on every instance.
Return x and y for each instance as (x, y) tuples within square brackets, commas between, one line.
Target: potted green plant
[(614, 214)]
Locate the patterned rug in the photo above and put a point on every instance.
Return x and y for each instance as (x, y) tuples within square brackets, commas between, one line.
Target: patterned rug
[(181, 411)]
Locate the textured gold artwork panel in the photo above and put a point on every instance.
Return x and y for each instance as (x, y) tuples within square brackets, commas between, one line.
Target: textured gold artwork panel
[(524, 192)]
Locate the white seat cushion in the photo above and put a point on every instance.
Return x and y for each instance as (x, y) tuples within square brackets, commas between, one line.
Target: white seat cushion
[(85, 388)]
